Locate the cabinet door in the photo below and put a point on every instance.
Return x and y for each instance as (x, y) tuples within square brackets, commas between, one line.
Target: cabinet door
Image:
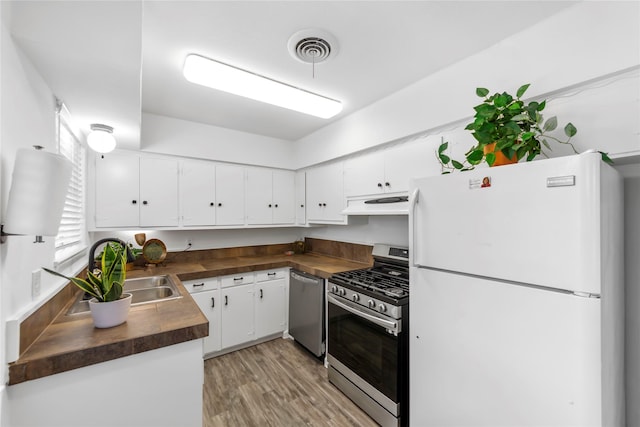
[(270, 307), (209, 303), (117, 190), (301, 200), (158, 192), (284, 197), (258, 201), (325, 194), (198, 193), (237, 315), (405, 161), (229, 195), (364, 175)]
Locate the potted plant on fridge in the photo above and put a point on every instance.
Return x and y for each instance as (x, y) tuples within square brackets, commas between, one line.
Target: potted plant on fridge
[(109, 305), (507, 130)]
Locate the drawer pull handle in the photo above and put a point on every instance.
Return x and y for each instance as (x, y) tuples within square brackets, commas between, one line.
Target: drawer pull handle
[(197, 285), (213, 302), (271, 274), (226, 300), (261, 295), (236, 279)]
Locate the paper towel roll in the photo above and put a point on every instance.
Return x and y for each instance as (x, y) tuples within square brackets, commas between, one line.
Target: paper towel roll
[(38, 191)]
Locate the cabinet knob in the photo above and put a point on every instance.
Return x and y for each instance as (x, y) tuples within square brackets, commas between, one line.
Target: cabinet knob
[(219, 204), (276, 205), (379, 185), (302, 206), (144, 202), (269, 204), (387, 184), (324, 204), (212, 204), (134, 202)]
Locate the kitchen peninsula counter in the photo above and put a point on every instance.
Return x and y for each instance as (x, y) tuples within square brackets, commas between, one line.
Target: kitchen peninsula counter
[(71, 341)]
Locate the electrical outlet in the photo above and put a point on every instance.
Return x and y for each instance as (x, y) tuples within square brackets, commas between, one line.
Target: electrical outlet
[(35, 283)]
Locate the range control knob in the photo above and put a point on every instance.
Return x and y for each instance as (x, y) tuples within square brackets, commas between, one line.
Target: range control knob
[(382, 308), (355, 297), (371, 303), (342, 292), (334, 289)]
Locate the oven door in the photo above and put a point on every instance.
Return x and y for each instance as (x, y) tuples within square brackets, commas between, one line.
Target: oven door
[(366, 343)]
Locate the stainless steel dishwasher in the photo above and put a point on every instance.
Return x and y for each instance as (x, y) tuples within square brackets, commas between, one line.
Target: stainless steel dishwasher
[(306, 311)]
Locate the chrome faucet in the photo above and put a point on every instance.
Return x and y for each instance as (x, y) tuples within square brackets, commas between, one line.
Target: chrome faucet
[(92, 251)]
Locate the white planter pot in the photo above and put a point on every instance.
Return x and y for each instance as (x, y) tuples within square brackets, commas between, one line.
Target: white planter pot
[(109, 314)]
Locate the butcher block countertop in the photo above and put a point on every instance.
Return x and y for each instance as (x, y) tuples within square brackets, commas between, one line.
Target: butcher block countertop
[(71, 341)]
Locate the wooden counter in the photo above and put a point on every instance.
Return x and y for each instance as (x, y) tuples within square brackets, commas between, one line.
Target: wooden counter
[(71, 341)]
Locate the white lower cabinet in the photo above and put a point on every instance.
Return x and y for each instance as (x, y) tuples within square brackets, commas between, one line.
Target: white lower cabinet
[(241, 308), (206, 294), (237, 315)]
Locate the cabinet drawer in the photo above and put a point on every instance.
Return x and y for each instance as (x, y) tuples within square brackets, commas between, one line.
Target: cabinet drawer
[(237, 279), (266, 275), (200, 285)]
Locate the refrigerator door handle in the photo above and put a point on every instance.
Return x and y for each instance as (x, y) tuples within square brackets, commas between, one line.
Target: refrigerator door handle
[(413, 201)]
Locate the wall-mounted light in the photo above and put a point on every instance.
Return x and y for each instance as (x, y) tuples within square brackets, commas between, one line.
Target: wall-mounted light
[(39, 186), (101, 138), (217, 75)]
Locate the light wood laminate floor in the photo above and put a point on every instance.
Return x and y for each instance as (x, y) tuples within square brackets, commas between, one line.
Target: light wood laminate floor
[(278, 384)]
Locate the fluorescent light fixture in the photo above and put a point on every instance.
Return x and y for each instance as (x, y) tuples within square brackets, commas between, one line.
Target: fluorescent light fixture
[(101, 138), (216, 75)]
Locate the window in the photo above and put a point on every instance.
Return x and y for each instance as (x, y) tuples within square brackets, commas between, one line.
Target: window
[(71, 237)]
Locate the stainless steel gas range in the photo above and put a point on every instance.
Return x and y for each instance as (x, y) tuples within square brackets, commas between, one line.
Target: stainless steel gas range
[(368, 336)]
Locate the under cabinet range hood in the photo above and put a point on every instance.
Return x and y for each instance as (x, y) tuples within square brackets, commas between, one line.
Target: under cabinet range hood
[(387, 205)]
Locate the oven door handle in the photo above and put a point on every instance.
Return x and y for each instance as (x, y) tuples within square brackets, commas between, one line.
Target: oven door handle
[(391, 326)]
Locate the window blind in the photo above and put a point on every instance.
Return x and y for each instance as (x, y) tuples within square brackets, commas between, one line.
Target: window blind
[(72, 231)]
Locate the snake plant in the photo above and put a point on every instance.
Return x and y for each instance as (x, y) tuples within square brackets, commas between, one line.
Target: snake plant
[(106, 285)]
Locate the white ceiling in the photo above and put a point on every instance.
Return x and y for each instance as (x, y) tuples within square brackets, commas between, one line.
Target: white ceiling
[(110, 60)]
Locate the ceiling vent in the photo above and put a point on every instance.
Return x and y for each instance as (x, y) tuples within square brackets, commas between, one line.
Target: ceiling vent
[(312, 46)]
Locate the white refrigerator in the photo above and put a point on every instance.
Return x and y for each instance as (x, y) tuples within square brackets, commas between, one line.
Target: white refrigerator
[(516, 296)]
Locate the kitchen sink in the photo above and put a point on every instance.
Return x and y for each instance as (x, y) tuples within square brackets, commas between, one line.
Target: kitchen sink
[(145, 290)]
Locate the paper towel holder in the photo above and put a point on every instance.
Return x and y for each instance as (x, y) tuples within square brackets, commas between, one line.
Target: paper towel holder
[(37, 195)]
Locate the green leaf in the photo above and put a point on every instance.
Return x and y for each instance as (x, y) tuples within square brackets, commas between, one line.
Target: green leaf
[(114, 293), (570, 130), (82, 284), (456, 164), (444, 158), (485, 111), (520, 117), (531, 156), (522, 89), (482, 92), (605, 157), (541, 105), (527, 136), (503, 100), (550, 124), (475, 157), (490, 158), (546, 144), (443, 147)]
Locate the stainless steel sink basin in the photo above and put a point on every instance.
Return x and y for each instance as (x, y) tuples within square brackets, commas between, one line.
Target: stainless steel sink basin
[(145, 290)]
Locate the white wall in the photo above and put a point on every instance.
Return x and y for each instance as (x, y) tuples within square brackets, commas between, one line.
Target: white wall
[(167, 135), (581, 43)]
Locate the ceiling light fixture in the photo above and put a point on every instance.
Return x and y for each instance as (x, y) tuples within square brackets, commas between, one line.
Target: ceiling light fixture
[(217, 75), (101, 138)]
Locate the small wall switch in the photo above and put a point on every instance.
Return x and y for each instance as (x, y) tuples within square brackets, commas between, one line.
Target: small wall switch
[(35, 283)]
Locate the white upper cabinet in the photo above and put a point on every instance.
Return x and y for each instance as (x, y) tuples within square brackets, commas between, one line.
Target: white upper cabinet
[(117, 191), (385, 171), (229, 195), (158, 192), (325, 194), (270, 196), (198, 193), (132, 191), (300, 198)]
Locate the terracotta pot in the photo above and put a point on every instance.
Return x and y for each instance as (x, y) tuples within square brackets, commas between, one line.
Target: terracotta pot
[(109, 314), (501, 159)]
